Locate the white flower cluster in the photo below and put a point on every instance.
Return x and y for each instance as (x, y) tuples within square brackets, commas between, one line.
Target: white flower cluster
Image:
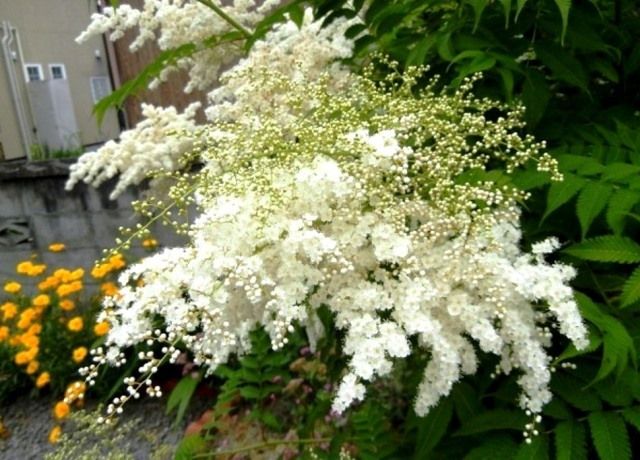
[(364, 214), (294, 52), (159, 142), (173, 23)]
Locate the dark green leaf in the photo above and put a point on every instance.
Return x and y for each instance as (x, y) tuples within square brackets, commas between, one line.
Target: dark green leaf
[(561, 192), (497, 419), (432, 428), (465, 401), (610, 436), (535, 96), (494, 448), (591, 202), (608, 248), (621, 204), (562, 64), (564, 6), (631, 290), (571, 441), (181, 395), (537, 449)]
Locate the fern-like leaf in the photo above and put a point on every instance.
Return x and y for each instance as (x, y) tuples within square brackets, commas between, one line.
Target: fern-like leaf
[(591, 202), (620, 205), (571, 441), (610, 436), (608, 248), (562, 192), (631, 290)]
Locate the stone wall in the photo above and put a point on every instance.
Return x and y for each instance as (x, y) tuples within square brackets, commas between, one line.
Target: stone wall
[(35, 211)]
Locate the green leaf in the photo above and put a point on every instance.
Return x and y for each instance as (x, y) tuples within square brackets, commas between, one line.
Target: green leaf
[(604, 68), (535, 96), (591, 202), (181, 395), (418, 54), (478, 8), (608, 248), (617, 171), (432, 428), (562, 64), (538, 449), (530, 179), (571, 441), (499, 447), (571, 390), (610, 436), (189, 446), (250, 392), (564, 6), (519, 5), (561, 192), (465, 400), (621, 204), (507, 82), (595, 340), (506, 5), (497, 419), (631, 289), (632, 416)]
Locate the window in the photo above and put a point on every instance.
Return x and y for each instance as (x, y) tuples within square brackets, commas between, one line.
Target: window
[(100, 88), (33, 72), (57, 71)]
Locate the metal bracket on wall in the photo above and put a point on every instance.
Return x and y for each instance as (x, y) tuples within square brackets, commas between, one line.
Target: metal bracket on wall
[(15, 232)]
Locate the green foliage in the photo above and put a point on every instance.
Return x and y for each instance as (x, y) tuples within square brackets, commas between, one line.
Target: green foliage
[(181, 395)]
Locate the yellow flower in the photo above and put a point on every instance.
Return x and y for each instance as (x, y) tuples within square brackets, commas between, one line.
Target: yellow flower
[(4, 333), (29, 340), (35, 329), (61, 410), (26, 318), (43, 379), (54, 434), (67, 304), (75, 391), (9, 310), (75, 324), (109, 289), (149, 243), (79, 354), (101, 328), (69, 288), (57, 247), (32, 368), (22, 358), (41, 300), (100, 270), (23, 267), (117, 261), (49, 283), (12, 287), (76, 274), (36, 270)]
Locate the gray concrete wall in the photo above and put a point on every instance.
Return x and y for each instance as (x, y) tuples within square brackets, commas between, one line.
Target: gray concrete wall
[(36, 211)]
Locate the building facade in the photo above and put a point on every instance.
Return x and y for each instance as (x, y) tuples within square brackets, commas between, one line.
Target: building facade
[(49, 83)]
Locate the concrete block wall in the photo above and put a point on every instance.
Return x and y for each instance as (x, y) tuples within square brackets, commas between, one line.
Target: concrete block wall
[(32, 196)]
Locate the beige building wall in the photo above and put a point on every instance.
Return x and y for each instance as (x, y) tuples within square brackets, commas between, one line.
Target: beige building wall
[(47, 30)]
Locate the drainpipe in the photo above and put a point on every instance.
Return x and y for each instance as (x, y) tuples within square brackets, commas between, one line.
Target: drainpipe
[(7, 40)]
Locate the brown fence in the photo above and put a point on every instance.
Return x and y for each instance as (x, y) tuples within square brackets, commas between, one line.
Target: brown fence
[(131, 64)]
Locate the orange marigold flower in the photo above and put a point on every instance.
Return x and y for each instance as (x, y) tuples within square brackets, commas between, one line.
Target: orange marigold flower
[(75, 324), (36, 270), (63, 275), (76, 274), (49, 283), (61, 410), (100, 270), (101, 328), (42, 300), (35, 329), (22, 358), (117, 261), (54, 434), (26, 318), (43, 379), (30, 341), (79, 354), (23, 267), (57, 247), (67, 304), (9, 310), (12, 287), (75, 390), (32, 368), (109, 289), (4, 333)]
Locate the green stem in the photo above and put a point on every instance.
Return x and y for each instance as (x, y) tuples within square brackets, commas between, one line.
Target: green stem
[(220, 12), (261, 445)]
